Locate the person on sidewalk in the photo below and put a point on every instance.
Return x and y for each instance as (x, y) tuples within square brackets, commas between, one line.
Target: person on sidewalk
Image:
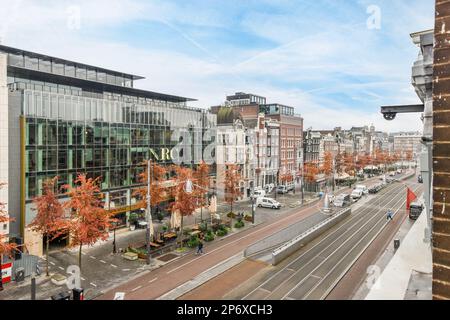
[(389, 215), (200, 247)]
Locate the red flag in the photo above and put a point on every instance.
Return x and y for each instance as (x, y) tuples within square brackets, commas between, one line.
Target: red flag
[(410, 197)]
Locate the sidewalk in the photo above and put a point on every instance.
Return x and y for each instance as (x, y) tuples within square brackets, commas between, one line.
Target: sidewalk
[(411, 262)]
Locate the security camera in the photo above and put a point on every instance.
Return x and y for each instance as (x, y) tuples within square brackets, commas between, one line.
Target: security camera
[(389, 116)]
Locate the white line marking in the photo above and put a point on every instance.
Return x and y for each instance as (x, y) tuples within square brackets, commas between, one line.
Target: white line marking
[(61, 268), (153, 280), (82, 278), (102, 261), (126, 269), (52, 263), (93, 284), (113, 265), (137, 288), (356, 219), (92, 257)]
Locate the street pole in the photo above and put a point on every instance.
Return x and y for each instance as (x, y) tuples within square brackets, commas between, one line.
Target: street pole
[(33, 287), (114, 241), (149, 214)]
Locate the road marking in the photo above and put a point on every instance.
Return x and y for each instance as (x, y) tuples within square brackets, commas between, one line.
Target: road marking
[(83, 253), (92, 257), (82, 278), (52, 263), (93, 284), (355, 221), (102, 261), (137, 288), (61, 268), (126, 269), (153, 280), (394, 199), (113, 265)]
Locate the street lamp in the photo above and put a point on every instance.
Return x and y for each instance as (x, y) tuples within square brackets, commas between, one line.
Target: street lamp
[(114, 240), (148, 214)]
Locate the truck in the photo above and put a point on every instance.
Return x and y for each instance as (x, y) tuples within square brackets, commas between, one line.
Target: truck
[(415, 209)]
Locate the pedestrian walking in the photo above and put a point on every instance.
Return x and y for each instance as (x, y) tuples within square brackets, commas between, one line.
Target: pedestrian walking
[(200, 247), (389, 215)]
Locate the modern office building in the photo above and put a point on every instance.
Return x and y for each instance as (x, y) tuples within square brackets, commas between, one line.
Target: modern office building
[(61, 118)]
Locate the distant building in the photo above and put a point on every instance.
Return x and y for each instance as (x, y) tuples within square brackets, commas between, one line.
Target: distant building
[(404, 142)]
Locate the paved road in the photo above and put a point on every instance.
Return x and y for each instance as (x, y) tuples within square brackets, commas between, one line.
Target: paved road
[(153, 284), (314, 271)]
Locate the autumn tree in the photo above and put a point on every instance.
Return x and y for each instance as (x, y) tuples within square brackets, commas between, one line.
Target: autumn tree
[(327, 166), (6, 248), (201, 176), (310, 171), (157, 189), (49, 220), (349, 164), (89, 221), (185, 200), (232, 184)]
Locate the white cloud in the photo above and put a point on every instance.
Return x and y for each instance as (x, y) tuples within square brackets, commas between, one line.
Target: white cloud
[(303, 57)]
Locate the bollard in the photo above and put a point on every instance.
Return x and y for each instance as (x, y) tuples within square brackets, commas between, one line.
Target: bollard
[(396, 244)]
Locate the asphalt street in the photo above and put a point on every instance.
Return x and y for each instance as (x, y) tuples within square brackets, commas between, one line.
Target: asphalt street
[(311, 273)]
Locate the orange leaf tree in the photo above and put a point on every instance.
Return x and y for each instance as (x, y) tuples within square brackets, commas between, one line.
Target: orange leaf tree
[(49, 220), (185, 202), (89, 221), (157, 189), (310, 171), (5, 247), (201, 176), (327, 167), (349, 164), (232, 184)]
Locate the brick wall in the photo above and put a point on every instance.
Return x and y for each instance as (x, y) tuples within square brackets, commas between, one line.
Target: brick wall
[(441, 153)]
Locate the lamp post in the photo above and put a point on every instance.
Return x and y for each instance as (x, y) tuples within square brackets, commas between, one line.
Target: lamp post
[(114, 240), (148, 214)]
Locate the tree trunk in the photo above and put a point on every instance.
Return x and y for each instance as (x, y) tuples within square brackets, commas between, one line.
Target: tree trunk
[(181, 232), (79, 256), (46, 256)]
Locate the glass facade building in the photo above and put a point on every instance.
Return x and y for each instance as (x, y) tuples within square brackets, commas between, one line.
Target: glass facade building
[(70, 118)]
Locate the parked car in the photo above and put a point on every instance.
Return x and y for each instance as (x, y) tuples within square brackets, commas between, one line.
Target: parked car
[(342, 200), (415, 209), (282, 189), (268, 203), (363, 188), (290, 186), (258, 193), (269, 187), (356, 194), (376, 188)]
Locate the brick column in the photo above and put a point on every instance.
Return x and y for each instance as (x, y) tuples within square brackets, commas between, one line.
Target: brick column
[(441, 153)]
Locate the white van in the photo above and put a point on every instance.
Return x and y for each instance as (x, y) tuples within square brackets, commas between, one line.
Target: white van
[(268, 203), (356, 194), (258, 194), (363, 188)]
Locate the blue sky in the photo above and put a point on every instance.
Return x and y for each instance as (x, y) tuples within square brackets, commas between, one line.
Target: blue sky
[(316, 55)]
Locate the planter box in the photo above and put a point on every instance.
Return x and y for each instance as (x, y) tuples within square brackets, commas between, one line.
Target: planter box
[(130, 256), (59, 279)]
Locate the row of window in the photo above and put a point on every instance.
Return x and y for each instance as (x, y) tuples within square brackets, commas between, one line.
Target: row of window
[(67, 69), (78, 108), (42, 132)]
